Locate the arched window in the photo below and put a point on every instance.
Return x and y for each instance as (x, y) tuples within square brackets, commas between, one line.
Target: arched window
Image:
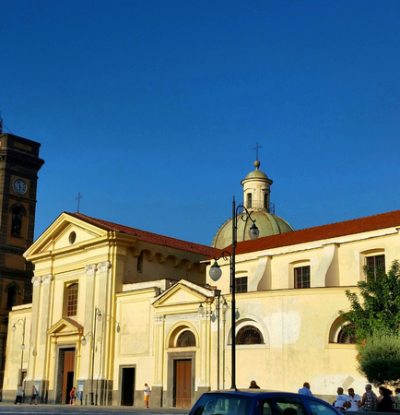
[(186, 339), (344, 338), (72, 300), (249, 200), (16, 221), (249, 335), (11, 295), (266, 201)]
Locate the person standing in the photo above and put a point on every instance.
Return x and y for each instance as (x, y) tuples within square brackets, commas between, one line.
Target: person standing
[(354, 400), (369, 400), (253, 385), (20, 394), (34, 395), (305, 390), (72, 396), (146, 395)]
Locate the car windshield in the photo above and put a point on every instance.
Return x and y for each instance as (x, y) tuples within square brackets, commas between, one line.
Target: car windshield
[(223, 404)]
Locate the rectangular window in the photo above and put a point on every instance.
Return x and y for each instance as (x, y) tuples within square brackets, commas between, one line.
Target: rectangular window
[(241, 285), (375, 264), (302, 277), (72, 300)]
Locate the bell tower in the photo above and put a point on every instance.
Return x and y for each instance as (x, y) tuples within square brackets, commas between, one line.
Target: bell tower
[(19, 166)]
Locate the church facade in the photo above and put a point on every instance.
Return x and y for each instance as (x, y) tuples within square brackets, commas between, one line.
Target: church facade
[(115, 307)]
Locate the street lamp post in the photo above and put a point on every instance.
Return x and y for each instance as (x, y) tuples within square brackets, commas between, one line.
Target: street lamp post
[(224, 310), (13, 328), (215, 272), (97, 316), (118, 328)]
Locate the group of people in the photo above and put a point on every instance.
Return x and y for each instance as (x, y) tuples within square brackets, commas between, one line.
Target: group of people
[(385, 402), (20, 395)]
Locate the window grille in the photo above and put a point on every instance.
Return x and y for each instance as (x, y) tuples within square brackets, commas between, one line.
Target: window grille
[(72, 300), (302, 277), (344, 338), (186, 339), (241, 285), (249, 335), (375, 265)]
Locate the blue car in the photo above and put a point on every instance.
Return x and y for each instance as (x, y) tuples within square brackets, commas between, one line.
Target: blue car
[(260, 402)]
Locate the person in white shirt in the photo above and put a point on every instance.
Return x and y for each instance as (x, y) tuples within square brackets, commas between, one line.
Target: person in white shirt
[(146, 395), (305, 390), (354, 401), (341, 400)]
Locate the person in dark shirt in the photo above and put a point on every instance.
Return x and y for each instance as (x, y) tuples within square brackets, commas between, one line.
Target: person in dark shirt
[(385, 403)]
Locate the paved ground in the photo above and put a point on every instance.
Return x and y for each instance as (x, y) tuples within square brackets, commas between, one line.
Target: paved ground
[(6, 408)]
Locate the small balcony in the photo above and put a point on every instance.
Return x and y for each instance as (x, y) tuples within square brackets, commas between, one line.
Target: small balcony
[(259, 205)]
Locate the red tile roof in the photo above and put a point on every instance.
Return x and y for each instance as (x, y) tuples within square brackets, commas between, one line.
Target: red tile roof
[(148, 236), (332, 230)]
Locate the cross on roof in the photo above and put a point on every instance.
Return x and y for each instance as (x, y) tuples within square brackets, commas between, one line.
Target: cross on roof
[(79, 199), (256, 148)]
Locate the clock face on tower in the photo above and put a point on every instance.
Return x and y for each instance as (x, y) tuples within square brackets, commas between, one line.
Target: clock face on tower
[(19, 186)]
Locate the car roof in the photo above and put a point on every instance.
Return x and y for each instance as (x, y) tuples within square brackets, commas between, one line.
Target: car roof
[(253, 392), (265, 393)]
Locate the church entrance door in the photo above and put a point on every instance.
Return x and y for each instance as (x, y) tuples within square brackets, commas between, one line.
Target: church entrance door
[(128, 386), (183, 383), (66, 377)]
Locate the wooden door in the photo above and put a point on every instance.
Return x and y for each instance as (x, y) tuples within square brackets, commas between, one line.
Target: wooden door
[(183, 383), (68, 374)]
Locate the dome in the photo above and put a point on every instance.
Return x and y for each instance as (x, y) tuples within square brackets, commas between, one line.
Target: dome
[(256, 199), (267, 223), (256, 174)]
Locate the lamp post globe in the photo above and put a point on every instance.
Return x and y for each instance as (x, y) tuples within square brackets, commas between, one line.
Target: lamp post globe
[(215, 271), (201, 309), (83, 341), (254, 232), (225, 307)]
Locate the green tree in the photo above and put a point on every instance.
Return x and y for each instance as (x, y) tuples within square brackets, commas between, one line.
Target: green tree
[(376, 307), (379, 358)]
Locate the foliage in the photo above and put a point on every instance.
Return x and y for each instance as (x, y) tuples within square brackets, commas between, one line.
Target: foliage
[(379, 358), (377, 308)]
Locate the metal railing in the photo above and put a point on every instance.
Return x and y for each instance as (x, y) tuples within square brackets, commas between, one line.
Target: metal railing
[(259, 205)]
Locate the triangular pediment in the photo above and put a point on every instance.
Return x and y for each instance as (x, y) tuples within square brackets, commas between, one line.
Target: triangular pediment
[(65, 327), (67, 232), (183, 292)]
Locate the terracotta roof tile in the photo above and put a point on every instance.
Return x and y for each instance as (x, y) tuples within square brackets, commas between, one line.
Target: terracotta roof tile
[(332, 230), (148, 236)]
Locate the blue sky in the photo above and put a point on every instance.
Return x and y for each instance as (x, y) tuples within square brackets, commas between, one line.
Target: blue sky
[(151, 109)]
